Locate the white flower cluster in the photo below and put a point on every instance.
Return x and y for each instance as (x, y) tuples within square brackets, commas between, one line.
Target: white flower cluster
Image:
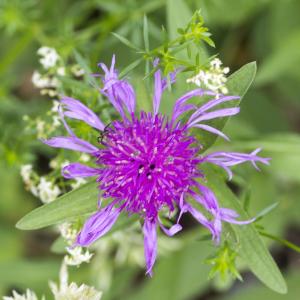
[(48, 82), (49, 57), (47, 191), (51, 62), (39, 187), (26, 171), (29, 295), (44, 127), (76, 255), (214, 79), (62, 291), (66, 291), (42, 82)]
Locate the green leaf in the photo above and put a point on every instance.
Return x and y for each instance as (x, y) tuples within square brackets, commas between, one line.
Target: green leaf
[(126, 42), (67, 207), (130, 67), (254, 291), (266, 210), (252, 249), (146, 34), (71, 205), (284, 242), (16, 49), (238, 83), (180, 275)]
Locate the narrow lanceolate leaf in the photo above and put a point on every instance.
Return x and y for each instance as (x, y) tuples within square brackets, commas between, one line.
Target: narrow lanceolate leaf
[(146, 34), (126, 42), (252, 249), (238, 84), (130, 67), (73, 204)]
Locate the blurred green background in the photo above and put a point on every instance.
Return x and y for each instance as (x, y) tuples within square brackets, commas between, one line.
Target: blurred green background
[(244, 30)]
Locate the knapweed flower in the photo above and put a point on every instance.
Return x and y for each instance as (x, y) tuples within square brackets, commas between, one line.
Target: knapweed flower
[(147, 161)]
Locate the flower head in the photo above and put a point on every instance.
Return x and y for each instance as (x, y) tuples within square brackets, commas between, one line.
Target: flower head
[(71, 291), (214, 78), (49, 57), (147, 161), (29, 295)]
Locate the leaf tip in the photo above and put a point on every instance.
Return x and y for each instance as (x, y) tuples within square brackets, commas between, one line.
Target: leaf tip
[(21, 224)]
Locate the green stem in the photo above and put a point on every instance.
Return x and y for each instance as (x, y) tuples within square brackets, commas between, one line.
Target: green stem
[(281, 241)]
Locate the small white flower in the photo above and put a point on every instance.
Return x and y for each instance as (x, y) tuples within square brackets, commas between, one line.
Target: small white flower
[(40, 127), (34, 191), (29, 295), (53, 164), (61, 71), (77, 256), (26, 171), (84, 157), (55, 122), (49, 57), (43, 82), (39, 81), (55, 106), (66, 291), (77, 70), (68, 232), (47, 191), (49, 92)]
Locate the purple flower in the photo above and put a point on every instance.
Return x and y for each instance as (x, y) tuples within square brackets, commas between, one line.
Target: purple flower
[(147, 161)]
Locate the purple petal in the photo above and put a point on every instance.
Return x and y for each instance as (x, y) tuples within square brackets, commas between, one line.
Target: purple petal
[(62, 117), (212, 130), (119, 92), (211, 104), (157, 91), (172, 78), (226, 112), (229, 216), (177, 110), (71, 143), (229, 159), (150, 244), (77, 110), (172, 230), (78, 170), (199, 217), (207, 199), (98, 225)]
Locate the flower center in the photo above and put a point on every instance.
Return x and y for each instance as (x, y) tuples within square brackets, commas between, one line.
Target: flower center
[(147, 164)]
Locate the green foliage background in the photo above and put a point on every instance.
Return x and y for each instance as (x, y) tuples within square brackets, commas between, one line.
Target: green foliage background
[(244, 30)]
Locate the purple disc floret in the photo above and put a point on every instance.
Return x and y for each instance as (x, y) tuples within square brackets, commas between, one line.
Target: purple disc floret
[(146, 162)]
